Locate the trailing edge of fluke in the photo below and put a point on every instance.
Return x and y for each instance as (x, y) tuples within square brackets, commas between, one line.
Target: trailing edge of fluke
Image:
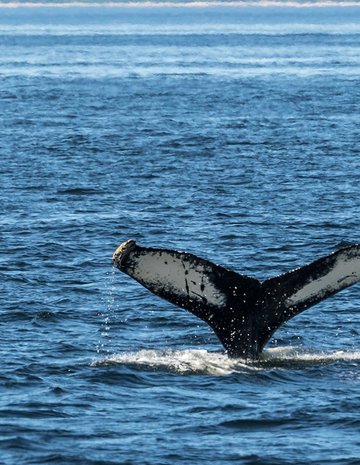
[(242, 311)]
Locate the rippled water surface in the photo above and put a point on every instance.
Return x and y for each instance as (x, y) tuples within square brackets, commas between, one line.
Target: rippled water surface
[(231, 133)]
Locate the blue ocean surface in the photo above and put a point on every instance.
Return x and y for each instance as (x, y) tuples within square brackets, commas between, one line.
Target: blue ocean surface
[(231, 133)]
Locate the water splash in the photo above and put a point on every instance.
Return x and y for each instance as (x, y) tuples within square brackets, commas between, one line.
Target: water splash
[(293, 357), (107, 315), (179, 361), (213, 363)]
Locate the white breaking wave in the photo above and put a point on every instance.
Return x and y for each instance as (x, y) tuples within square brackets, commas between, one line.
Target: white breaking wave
[(213, 363)]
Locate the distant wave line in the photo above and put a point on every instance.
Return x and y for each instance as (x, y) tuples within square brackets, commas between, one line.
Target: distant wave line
[(179, 4)]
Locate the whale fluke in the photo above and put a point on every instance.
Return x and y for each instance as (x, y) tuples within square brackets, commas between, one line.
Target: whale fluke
[(242, 311)]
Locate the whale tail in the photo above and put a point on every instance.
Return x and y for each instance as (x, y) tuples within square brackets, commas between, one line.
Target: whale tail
[(242, 311)]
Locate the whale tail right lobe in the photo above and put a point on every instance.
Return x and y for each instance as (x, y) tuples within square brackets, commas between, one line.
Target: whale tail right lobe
[(287, 295)]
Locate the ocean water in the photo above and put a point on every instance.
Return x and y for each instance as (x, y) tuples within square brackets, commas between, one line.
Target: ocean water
[(232, 133)]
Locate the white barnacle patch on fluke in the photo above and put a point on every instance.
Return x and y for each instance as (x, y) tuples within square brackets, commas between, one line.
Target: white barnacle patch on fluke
[(177, 275)]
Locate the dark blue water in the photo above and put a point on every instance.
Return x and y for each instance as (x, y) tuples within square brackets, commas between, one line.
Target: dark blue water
[(233, 134)]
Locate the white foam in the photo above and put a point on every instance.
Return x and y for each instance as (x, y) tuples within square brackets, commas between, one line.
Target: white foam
[(295, 355), (214, 363), (179, 361)]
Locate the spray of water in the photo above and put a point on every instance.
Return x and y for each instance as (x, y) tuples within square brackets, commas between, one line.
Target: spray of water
[(103, 346), (213, 363)]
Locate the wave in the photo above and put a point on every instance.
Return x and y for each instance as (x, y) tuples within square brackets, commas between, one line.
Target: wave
[(184, 4), (200, 361)]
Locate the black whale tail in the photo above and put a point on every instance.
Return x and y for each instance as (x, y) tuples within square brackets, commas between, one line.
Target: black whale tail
[(242, 311)]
